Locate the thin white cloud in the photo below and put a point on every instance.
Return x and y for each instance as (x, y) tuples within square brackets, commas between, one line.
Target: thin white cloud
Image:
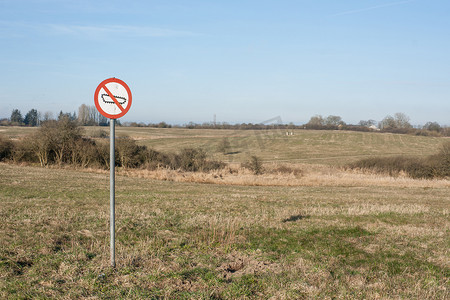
[(350, 12)]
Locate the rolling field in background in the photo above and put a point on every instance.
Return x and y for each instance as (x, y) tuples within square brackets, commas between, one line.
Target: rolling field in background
[(305, 146), (367, 237), (328, 147)]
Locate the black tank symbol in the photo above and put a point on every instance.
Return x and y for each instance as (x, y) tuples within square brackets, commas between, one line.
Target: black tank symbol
[(107, 99)]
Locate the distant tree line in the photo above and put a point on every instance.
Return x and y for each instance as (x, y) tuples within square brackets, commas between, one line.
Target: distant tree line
[(30, 119), (89, 116), (399, 123)]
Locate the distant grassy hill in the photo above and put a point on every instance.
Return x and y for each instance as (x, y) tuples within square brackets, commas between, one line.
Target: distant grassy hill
[(305, 146), (329, 147)]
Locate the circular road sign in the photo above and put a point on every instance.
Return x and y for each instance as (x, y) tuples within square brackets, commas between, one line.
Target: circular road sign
[(113, 98)]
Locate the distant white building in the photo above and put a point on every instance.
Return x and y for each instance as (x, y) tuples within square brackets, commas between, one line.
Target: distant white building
[(374, 128)]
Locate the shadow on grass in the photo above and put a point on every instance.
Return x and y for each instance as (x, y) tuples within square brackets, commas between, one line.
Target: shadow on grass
[(295, 218), (232, 152)]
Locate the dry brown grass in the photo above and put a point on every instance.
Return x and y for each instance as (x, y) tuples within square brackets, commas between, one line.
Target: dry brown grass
[(184, 240), (299, 175)]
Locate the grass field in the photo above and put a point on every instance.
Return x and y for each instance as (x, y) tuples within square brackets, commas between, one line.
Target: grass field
[(332, 235), (305, 146)]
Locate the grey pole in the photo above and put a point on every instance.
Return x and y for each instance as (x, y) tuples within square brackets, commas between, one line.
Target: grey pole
[(112, 218)]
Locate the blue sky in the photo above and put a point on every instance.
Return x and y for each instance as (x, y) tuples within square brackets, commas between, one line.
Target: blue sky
[(244, 61)]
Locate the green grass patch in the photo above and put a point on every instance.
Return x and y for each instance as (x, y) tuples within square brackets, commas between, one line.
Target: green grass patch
[(187, 240)]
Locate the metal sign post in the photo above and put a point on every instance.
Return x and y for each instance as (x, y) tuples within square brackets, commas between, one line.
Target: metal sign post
[(112, 190), (113, 100)]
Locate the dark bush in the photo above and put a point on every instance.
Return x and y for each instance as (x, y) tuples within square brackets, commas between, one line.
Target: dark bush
[(53, 142), (194, 160), (24, 151), (174, 161), (85, 153), (424, 132), (103, 155), (442, 160), (421, 169), (6, 148), (189, 159), (130, 154), (433, 166), (58, 142), (254, 164), (155, 159), (399, 130), (387, 165)]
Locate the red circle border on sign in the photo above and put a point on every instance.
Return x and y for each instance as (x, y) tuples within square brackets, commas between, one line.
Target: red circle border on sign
[(97, 91)]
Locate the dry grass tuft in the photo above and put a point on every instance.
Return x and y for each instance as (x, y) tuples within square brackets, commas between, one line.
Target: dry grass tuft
[(290, 175)]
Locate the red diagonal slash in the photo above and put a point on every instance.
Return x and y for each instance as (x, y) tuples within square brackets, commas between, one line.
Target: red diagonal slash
[(112, 97)]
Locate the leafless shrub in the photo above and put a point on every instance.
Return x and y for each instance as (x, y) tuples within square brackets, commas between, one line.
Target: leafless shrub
[(25, 151), (433, 166), (155, 159), (441, 161), (254, 164), (285, 169), (130, 154), (85, 153), (58, 142), (194, 160), (103, 154), (6, 148), (52, 143), (424, 132), (55, 139)]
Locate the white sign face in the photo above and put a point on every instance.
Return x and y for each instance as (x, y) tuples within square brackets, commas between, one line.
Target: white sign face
[(113, 98), (107, 103)]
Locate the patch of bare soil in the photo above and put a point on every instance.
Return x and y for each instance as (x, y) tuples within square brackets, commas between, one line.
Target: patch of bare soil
[(237, 265)]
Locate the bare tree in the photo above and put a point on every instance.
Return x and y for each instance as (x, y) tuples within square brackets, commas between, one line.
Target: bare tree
[(83, 114), (334, 121), (432, 126), (48, 115), (387, 123), (316, 120), (89, 115), (399, 121), (402, 120), (367, 123), (93, 115)]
